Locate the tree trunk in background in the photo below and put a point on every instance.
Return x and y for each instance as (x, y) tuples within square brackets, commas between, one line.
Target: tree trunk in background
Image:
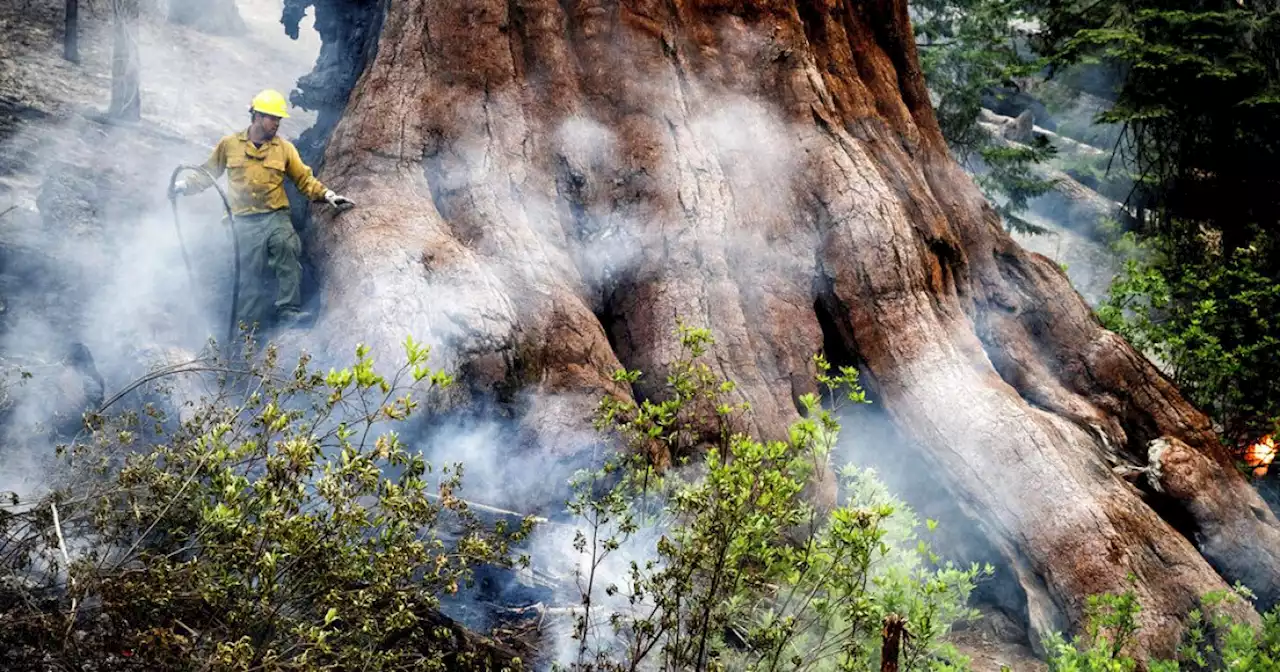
[(71, 32), (547, 186), (126, 75), (217, 17)]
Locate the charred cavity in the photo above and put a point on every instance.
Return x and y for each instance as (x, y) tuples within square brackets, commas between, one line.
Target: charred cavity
[(349, 32)]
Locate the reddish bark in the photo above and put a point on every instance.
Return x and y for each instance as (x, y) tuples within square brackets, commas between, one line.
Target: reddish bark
[(483, 191)]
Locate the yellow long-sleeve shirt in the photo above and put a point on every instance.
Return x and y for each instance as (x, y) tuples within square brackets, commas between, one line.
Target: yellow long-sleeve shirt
[(255, 175)]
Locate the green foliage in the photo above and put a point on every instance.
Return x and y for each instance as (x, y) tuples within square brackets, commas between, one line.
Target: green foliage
[(1009, 182), (1112, 626), (1211, 323), (1198, 103), (746, 572), (969, 48), (1198, 106), (282, 525), (1215, 639)]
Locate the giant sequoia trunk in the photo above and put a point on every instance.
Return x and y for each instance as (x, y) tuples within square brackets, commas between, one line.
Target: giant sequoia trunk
[(547, 185)]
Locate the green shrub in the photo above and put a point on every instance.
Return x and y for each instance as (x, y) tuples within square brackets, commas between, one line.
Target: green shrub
[(1211, 323), (281, 526), (746, 573), (1213, 641), (1196, 107)]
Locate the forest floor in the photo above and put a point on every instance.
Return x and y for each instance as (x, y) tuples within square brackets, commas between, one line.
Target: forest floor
[(80, 195)]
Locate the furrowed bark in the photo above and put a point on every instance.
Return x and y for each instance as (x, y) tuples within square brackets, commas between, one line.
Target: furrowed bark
[(547, 187)]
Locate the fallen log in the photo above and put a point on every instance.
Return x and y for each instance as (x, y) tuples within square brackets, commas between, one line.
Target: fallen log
[(1068, 202)]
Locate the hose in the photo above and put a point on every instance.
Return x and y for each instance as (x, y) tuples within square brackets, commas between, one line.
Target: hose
[(235, 243)]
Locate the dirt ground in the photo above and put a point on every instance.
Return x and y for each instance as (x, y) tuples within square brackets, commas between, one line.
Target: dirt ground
[(992, 646), (195, 87)]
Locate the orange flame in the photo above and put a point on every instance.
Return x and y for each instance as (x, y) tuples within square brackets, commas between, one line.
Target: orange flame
[(1260, 455)]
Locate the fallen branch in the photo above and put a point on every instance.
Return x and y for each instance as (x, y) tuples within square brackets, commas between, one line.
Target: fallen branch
[(543, 610), (537, 520), (66, 558), (168, 371)]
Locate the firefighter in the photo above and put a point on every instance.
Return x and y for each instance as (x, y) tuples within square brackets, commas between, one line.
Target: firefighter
[(256, 161)]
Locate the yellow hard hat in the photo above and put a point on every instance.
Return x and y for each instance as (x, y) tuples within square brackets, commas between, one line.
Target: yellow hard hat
[(270, 102)]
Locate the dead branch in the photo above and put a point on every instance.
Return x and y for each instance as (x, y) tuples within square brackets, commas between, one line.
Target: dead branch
[(493, 510), (66, 558), (895, 628)]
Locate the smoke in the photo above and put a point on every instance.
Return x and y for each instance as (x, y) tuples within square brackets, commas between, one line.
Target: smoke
[(871, 441), (606, 238), (738, 142), (100, 262), (606, 245), (575, 563)]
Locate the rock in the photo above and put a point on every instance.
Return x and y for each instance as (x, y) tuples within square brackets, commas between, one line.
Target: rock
[(1012, 102), (1020, 130)]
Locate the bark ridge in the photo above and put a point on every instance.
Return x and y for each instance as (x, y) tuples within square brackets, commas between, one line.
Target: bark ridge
[(546, 186)]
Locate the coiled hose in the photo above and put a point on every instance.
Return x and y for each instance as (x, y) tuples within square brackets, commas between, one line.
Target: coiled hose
[(235, 243)]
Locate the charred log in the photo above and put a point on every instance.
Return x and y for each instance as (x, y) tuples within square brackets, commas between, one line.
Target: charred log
[(71, 32)]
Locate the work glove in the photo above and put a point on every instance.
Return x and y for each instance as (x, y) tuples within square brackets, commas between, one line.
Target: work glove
[(339, 202)]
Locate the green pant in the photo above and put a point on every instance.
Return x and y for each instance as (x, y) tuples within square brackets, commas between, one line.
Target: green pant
[(270, 273)]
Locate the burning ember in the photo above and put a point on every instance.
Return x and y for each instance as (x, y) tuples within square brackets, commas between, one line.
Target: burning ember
[(1260, 455)]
